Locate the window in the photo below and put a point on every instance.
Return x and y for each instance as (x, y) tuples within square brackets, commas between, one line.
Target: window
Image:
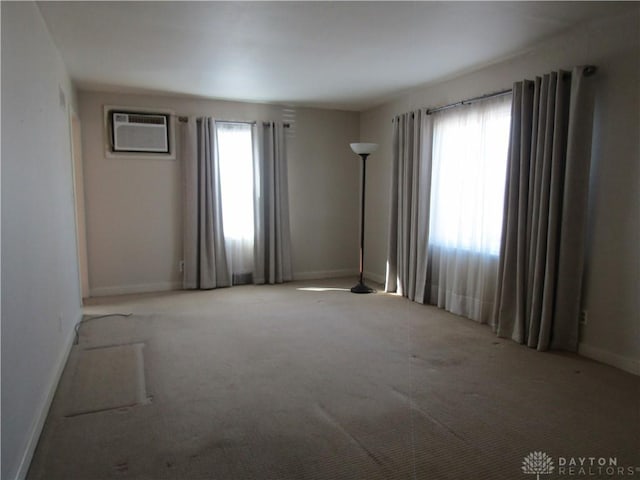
[(236, 178), (235, 156), (468, 176)]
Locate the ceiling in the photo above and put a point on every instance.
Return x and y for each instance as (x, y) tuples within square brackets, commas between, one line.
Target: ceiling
[(347, 55)]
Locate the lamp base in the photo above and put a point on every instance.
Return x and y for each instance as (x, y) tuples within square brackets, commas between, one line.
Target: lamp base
[(361, 288)]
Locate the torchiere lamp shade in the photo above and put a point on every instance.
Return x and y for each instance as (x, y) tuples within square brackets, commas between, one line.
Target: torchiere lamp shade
[(364, 148)]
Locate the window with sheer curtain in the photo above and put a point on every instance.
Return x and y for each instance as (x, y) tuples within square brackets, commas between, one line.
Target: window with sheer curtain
[(448, 192), (469, 161), (235, 155), (468, 176)]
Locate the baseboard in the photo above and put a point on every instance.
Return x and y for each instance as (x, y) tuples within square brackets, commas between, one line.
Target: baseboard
[(38, 425), (140, 288), (376, 277), (624, 363), (322, 274)]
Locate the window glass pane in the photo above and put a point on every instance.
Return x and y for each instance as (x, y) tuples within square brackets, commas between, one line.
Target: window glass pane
[(236, 178), (468, 177)]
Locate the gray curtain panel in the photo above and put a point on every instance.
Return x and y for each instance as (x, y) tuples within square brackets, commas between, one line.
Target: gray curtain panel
[(544, 223), (205, 262), (410, 197), (272, 244)]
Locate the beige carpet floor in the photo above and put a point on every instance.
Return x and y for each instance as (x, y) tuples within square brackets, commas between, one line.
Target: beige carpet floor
[(308, 381)]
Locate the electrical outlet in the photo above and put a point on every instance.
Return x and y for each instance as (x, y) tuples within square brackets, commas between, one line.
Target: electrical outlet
[(181, 265), (583, 317)]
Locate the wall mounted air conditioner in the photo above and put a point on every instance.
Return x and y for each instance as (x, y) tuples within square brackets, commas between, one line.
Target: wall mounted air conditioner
[(138, 132)]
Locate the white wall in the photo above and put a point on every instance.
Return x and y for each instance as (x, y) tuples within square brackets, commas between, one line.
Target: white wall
[(134, 220), (612, 333), (40, 286)]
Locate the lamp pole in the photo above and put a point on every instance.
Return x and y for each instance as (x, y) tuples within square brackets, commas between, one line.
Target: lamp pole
[(364, 150), (361, 287)]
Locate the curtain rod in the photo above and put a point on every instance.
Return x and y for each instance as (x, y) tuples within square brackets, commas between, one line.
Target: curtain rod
[(588, 71), (184, 119), (235, 122), (468, 101)]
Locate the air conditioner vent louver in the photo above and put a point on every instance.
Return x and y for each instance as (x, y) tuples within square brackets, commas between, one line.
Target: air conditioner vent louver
[(139, 132), (149, 119)]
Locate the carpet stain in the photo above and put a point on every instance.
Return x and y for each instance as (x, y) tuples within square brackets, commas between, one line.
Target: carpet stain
[(473, 394), (223, 443), (445, 362)]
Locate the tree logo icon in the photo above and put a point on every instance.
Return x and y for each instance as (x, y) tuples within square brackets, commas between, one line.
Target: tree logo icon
[(537, 463)]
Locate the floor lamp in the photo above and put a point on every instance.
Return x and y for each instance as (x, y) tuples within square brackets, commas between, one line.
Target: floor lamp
[(364, 150)]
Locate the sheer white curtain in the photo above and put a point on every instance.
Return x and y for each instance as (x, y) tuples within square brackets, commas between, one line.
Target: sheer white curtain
[(467, 193), (235, 153)]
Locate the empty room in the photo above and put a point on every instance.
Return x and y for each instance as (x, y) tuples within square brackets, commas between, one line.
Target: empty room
[(320, 240)]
